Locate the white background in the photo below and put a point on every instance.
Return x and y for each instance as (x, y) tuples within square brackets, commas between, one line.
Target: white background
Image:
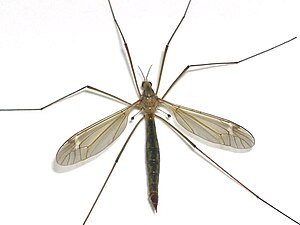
[(50, 48)]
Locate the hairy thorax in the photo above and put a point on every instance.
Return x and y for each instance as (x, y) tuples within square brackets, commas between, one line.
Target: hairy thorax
[(149, 104), (149, 100)]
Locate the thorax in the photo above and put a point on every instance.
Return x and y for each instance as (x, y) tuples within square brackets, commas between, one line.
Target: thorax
[(149, 100)]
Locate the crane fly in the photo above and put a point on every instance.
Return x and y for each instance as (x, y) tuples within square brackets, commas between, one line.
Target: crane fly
[(95, 138)]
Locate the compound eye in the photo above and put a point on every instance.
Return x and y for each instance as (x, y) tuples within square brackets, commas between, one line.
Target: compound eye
[(150, 83)]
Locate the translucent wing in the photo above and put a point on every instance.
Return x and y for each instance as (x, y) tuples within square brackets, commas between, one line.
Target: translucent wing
[(93, 139), (212, 128)]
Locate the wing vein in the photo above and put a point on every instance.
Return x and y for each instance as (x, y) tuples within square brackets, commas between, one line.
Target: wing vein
[(218, 136), (94, 138), (211, 128)]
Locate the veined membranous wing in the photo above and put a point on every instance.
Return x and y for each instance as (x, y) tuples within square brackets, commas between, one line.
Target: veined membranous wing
[(212, 128), (93, 139)]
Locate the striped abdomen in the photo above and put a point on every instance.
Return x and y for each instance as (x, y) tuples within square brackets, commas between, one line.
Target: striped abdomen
[(152, 160)]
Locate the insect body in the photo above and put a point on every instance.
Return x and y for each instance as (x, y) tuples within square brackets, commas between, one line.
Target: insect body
[(96, 137), (149, 103)]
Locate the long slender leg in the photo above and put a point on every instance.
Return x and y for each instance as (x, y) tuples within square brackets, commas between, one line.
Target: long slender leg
[(127, 50), (220, 168), (221, 63), (83, 89), (112, 169), (167, 47)]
